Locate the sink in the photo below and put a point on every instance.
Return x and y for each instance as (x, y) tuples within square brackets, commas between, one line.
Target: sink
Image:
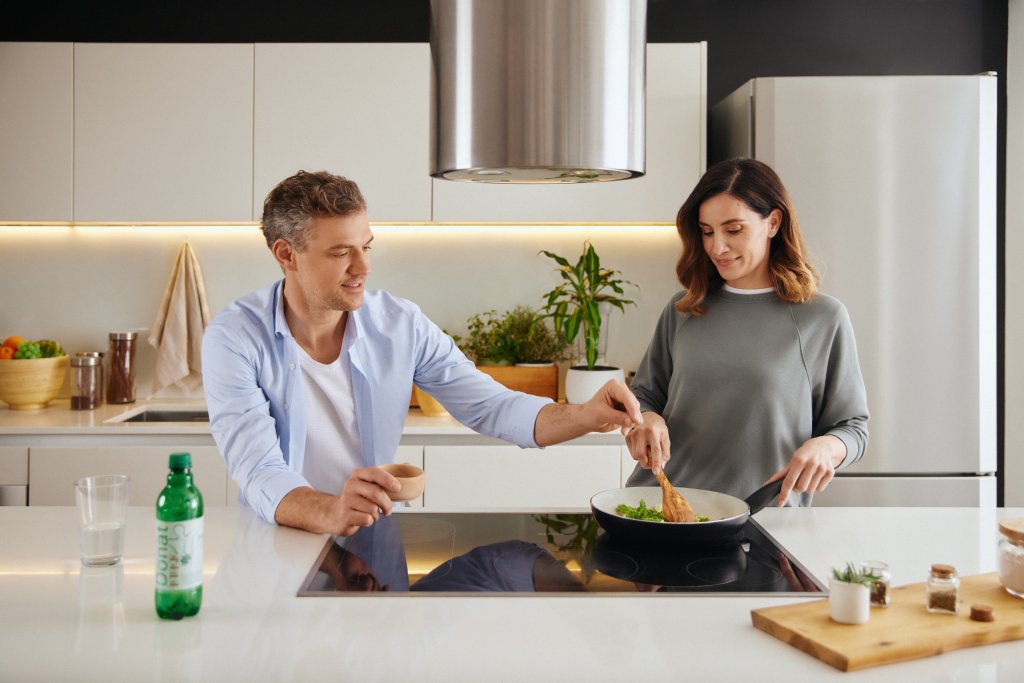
[(168, 415)]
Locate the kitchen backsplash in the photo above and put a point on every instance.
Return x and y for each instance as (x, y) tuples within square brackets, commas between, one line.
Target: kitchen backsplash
[(77, 284)]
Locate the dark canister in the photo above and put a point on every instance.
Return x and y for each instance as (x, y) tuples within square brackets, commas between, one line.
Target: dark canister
[(121, 383)]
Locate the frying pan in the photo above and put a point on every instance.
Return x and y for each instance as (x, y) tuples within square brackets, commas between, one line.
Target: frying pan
[(728, 514)]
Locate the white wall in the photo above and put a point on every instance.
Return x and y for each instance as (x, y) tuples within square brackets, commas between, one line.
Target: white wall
[(1014, 339), (77, 284)]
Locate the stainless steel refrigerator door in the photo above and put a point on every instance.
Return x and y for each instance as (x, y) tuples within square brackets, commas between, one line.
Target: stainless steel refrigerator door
[(893, 180)]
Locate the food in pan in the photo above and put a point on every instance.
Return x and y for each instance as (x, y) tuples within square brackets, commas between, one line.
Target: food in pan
[(648, 514)]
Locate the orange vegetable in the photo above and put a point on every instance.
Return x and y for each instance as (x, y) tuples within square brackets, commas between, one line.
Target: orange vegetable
[(12, 343), (6, 353)]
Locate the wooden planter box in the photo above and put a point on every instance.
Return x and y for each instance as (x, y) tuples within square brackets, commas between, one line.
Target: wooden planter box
[(539, 381)]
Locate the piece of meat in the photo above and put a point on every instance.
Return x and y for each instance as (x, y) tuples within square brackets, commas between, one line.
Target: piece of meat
[(673, 506)]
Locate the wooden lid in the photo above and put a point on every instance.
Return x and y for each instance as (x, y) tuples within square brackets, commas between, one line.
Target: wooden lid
[(982, 613), (1013, 529), (943, 570)]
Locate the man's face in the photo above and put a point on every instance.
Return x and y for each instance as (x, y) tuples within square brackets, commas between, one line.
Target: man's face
[(331, 271)]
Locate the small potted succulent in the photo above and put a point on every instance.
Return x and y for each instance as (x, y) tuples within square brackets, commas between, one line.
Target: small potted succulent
[(849, 594)]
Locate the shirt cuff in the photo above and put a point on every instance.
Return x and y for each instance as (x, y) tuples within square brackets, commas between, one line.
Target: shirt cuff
[(522, 420), (269, 489)]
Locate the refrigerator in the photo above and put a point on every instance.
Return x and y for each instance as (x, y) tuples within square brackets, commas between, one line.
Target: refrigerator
[(893, 179)]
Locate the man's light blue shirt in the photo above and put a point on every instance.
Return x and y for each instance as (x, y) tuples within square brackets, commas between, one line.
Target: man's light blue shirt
[(255, 396)]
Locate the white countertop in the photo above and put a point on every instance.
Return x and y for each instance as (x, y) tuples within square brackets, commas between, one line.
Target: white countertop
[(61, 622)]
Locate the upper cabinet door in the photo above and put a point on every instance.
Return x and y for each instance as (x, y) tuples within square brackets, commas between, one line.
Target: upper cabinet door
[(357, 110), (676, 115), (36, 131), (163, 132)]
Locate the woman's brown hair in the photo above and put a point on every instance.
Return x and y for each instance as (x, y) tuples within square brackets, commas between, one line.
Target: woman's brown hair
[(759, 187)]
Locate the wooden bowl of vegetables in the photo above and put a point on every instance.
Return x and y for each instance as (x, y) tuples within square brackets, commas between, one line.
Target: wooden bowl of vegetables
[(33, 375)]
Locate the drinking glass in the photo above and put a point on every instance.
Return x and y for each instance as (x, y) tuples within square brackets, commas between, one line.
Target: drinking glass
[(102, 508)]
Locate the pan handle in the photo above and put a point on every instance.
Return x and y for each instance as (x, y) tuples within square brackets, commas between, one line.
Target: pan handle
[(764, 495)]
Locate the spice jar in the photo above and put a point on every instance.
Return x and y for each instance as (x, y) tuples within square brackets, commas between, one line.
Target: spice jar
[(943, 589), (121, 383), (879, 587), (86, 380), (1011, 555)]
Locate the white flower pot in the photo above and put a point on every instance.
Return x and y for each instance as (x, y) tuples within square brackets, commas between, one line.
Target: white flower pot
[(581, 384), (848, 603)]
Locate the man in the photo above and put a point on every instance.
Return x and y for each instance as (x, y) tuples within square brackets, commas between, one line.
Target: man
[(307, 381)]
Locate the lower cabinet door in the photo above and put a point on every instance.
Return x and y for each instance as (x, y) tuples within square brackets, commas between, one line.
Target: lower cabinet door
[(485, 477), (54, 471)]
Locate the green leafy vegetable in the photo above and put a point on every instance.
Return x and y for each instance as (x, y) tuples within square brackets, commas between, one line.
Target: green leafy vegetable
[(642, 512)]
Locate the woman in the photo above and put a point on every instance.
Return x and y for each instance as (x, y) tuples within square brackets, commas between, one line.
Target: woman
[(752, 375)]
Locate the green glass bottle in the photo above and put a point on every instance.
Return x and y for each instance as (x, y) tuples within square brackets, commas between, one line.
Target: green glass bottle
[(179, 542)]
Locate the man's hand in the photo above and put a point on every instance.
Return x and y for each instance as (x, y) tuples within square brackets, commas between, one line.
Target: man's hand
[(362, 501), (812, 466), (648, 443), (612, 407)]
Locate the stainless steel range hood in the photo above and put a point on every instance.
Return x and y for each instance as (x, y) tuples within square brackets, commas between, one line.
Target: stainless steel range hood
[(538, 91)]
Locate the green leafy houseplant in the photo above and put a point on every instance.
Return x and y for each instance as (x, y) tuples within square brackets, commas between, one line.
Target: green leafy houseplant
[(574, 305), (517, 336)]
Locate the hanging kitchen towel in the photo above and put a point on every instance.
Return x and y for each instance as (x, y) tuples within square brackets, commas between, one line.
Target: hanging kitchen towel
[(177, 333)]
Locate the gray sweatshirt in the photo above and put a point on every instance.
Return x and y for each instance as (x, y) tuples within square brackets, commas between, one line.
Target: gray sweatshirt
[(744, 385)]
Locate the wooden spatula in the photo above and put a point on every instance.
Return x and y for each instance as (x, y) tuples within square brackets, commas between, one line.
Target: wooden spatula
[(673, 506)]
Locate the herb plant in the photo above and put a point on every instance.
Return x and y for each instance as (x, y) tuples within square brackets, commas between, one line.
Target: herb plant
[(853, 574)]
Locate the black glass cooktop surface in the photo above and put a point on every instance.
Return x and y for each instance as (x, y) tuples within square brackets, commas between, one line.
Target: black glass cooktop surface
[(424, 553)]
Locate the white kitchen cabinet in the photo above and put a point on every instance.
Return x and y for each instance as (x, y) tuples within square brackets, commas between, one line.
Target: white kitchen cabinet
[(357, 110), (13, 475), (163, 132), (36, 131), (54, 471), (675, 150), (511, 477)]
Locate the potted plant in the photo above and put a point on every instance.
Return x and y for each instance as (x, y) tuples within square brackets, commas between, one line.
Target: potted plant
[(849, 594), (517, 348), (574, 307)]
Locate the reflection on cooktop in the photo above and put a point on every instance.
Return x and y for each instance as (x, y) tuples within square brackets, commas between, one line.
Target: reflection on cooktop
[(421, 553)]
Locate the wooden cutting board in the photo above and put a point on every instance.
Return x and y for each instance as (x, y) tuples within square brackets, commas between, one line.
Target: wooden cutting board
[(905, 630)]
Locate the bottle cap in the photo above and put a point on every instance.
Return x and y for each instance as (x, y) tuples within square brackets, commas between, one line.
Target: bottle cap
[(116, 336), (180, 461), (982, 613), (1013, 529), (943, 570)]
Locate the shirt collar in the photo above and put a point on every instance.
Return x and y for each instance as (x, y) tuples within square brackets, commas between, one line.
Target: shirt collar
[(280, 323)]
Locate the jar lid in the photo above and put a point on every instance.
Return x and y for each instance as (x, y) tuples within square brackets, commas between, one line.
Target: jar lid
[(94, 354), (84, 361), (123, 335), (943, 570), (1013, 529)]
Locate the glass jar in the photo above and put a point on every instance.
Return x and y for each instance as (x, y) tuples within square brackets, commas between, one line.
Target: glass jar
[(86, 380), (943, 589), (1011, 555), (121, 383), (880, 594)]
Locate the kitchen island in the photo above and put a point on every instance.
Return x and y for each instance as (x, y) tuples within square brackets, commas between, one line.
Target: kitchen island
[(61, 621)]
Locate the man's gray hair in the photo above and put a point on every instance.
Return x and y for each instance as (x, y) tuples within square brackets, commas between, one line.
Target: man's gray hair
[(290, 208)]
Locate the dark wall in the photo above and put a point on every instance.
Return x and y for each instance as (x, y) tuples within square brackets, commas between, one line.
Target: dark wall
[(746, 38)]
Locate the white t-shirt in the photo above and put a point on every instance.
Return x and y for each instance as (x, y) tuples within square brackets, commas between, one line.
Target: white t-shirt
[(333, 447)]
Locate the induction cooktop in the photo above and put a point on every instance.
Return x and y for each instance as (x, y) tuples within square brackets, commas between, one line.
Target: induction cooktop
[(416, 552)]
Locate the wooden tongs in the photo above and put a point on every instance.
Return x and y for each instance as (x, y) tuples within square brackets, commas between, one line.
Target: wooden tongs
[(673, 506)]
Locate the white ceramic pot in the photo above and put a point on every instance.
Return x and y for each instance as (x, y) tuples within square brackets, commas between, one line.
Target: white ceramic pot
[(848, 603), (581, 384)]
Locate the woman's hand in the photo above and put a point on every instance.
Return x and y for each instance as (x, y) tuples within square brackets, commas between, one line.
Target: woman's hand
[(648, 442), (812, 466)]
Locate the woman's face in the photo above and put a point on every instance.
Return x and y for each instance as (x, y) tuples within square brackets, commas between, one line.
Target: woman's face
[(736, 239)]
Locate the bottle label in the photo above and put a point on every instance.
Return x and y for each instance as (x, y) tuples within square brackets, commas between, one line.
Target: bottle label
[(179, 555)]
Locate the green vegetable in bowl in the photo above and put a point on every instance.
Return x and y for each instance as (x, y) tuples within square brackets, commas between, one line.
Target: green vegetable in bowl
[(646, 514)]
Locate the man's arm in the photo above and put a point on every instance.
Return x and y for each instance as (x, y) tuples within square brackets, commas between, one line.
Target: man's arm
[(612, 407), (361, 503)]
